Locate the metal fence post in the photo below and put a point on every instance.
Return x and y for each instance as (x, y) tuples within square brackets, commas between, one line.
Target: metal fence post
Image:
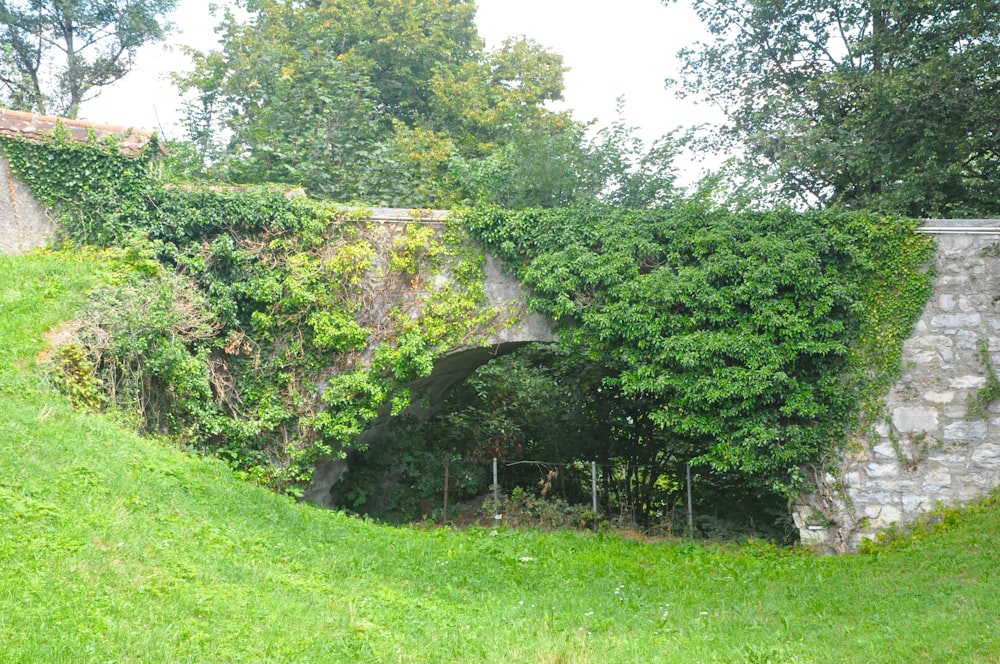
[(689, 505), (593, 490)]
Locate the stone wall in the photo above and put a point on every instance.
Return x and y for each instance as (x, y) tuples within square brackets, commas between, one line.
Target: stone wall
[(515, 327), (930, 448), (24, 224)]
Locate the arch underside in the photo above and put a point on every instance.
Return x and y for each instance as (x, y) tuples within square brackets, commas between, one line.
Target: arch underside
[(428, 394)]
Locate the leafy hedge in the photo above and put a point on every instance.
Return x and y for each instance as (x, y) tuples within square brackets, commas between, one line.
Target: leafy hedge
[(761, 340)]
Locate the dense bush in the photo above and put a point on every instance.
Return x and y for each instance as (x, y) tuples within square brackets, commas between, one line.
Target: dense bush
[(756, 342)]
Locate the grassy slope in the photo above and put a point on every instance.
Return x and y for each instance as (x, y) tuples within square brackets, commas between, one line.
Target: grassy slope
[(118, 549)]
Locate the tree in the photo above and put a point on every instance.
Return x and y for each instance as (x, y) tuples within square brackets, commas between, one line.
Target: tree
[(313, 93), (398, 103), (883, 103), (55, 54)]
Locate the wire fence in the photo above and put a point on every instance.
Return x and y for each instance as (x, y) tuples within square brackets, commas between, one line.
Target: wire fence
[(605, 497)]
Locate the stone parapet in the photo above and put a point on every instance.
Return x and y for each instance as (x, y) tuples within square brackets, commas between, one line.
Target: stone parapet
[(24, 223)]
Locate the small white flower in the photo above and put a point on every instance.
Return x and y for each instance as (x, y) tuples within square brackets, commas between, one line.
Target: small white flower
[(528, 559)]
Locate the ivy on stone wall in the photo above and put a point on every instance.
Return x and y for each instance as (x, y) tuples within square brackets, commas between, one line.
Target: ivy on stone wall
[(761, 339), (272, 330), (93, 189), (268, 329)]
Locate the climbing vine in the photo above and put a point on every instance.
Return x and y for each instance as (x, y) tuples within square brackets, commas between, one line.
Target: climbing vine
[(272, 330), (268, 329), (760, 340), (981, 399)]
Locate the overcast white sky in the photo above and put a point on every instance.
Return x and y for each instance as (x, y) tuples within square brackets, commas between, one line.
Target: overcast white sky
[(619, 47)]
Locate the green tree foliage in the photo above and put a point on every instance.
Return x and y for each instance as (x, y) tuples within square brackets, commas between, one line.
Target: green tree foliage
[(348, 98), (884, 103), (398, 103), (309, 91), (56, 54)]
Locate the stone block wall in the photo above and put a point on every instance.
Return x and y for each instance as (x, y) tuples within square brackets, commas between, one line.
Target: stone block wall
[(24, 224), (930, 448)]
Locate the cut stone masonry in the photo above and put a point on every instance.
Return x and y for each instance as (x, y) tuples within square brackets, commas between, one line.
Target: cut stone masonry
[(929, 448)]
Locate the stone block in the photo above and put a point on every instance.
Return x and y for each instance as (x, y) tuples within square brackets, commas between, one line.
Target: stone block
[(951, 265), (923, 356), (939, 476), (913, 504), (957, 281), (946, 396), (928, 342), (955, 321), (814, 539), (871, 497), (965, 431), (978, 483), (970, 492), (967, 382), (882, 470), (946, 301), (973, 303), (885, 450), (882, 515), (966, 339), (949, 459), (909, 419), (955, 411), (894, 485), (986, 456)]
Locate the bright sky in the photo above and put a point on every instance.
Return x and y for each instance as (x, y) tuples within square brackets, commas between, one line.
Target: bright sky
[(625, 47)]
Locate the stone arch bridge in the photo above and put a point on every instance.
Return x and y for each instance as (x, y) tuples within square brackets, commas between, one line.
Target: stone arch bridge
[(931, 448), (25, 225)]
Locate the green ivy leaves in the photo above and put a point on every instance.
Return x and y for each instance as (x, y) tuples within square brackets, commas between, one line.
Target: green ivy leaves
[(758, 338)]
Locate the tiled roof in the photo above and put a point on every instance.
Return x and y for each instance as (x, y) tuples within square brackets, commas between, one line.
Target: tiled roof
[(19, 124)]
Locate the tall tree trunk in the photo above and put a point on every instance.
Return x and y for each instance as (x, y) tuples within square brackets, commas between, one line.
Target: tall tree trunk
[(72, 64)]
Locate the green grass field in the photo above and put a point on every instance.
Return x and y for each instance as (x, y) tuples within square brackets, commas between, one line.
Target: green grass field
[(115, 548)]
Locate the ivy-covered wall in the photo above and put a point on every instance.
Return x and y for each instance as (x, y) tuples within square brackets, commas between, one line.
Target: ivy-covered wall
[(937, 439), (759, 341), (274, 330), (268, 329)]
